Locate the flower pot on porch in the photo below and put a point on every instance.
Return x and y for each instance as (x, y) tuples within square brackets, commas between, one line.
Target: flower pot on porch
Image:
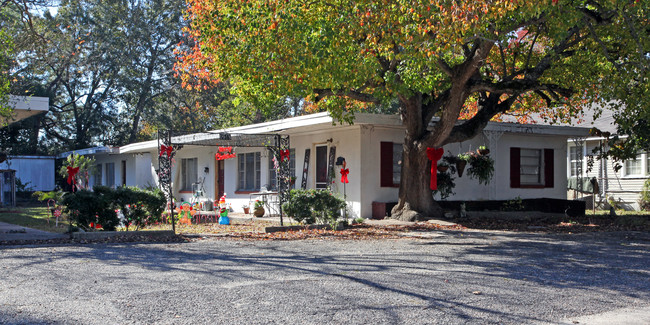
[(259, 212), (247, 210), (483, 152)]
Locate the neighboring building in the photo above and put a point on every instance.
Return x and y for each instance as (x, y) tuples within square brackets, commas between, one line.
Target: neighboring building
[(37, 172), (372, 149), (24, 107), (623, 186)]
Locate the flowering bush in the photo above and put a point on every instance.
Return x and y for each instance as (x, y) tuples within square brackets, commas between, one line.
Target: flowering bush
[(258, 204), (313, 206)]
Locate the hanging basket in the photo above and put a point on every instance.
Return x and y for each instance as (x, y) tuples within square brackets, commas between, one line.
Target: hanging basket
[(460, 167), (483, 152), (443, 168)]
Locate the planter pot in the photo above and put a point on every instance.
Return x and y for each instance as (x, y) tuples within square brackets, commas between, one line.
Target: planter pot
[(442, 168), (483, 152), (247, 210), (460, 166), (259, 212)]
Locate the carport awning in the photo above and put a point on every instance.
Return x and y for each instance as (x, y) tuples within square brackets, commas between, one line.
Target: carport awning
[(226, 139), (24, 107)]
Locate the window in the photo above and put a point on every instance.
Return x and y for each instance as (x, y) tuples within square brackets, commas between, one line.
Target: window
[(575, 160), (110, 175), (532, 168), (390, 164), (634, 166), (189, 173), (98, 175), (273, 180), (249, 171)]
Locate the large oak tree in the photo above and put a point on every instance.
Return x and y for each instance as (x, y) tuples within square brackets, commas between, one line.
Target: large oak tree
[(439, 59)]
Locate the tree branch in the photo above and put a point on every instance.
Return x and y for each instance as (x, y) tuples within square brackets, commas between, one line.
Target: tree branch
[(353, 94)]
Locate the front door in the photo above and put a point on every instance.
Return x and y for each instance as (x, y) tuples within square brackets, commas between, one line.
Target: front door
[(218, 179), (321, 166)]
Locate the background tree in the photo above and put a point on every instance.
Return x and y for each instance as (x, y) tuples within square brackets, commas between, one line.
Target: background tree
[(437, 58)]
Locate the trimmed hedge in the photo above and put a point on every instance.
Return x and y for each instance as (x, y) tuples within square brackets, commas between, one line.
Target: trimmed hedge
[(138, 206)]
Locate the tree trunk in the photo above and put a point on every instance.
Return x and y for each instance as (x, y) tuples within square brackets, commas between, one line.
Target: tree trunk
[(415, 197)]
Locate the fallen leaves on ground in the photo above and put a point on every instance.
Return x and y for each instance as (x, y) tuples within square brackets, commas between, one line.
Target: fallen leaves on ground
[(588, 223), (353, 232)]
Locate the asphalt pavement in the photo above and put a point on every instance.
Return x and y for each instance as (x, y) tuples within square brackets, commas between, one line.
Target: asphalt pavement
[(439, 277)]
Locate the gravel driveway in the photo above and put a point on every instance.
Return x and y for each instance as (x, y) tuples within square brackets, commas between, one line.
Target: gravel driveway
[(442, 277)]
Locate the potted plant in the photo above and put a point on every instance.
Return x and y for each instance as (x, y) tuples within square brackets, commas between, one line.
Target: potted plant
[(481, 168), (443, 167), (258, 209), (246, 208), (483, 150), (445, 185), (461, 162)]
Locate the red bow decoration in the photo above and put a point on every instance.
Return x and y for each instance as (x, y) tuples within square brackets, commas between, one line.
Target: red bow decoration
[(434, 154), (225, 149), (72, 171), (344, 175), (285, 154), (165, 149), (224, 153)]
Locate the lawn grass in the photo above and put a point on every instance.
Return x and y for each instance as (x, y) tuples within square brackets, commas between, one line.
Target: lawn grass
[(618, 212), (32, 217)]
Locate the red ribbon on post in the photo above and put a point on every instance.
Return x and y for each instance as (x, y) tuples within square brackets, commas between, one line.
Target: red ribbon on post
[(72, 171), (344, 175), (166, 150), (434, 154), (285, 154)]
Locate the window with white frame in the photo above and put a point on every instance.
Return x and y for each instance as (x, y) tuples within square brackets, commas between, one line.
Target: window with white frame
[(634, 167), (531, 166), (273, 180), (189, 173), (249, 165), (575, 160)]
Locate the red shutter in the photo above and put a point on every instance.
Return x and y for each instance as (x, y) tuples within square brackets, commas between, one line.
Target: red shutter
[(386, 164), (549, 171), (515, 162)]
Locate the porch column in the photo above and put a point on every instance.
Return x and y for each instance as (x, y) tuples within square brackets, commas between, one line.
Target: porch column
[(493, 142)]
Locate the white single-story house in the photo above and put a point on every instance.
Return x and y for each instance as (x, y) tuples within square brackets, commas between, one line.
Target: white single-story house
[(530, 161), (623, 186)]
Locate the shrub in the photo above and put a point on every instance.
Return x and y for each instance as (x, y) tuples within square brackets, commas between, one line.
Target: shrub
[(85, 207), (313, 206), (644, 201), (138, 206)]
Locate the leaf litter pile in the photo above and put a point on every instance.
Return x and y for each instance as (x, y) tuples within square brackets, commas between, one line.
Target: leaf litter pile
[(255, 231)]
